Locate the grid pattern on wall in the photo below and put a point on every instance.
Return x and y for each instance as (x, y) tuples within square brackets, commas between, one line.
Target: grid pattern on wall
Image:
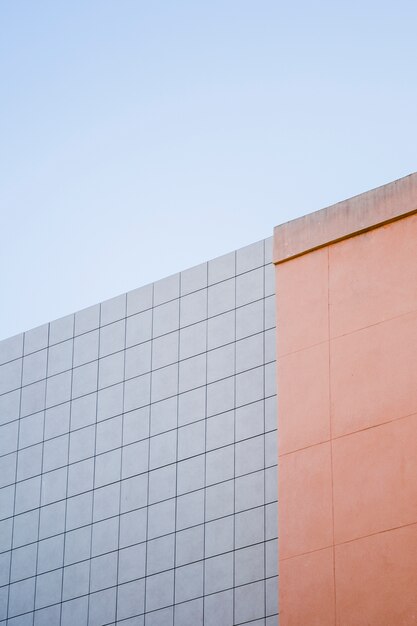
[(138, 457)]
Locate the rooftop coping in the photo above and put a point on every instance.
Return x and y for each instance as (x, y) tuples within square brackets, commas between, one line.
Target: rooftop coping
[(345, 219)]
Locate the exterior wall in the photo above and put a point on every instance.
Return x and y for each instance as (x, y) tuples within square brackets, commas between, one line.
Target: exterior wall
[(138, 459), (347, 381)]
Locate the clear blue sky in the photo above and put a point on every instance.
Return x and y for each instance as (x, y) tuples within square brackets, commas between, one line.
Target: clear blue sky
[(140, 138)]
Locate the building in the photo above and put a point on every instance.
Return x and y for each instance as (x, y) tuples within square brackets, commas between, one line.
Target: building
[(144, 487), (138, 439), (347, 333)]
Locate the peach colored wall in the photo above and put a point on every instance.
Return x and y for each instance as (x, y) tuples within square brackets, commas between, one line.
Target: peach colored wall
[(347, 424)]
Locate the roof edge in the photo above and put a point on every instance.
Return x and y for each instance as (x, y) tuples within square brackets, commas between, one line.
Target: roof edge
[(345, 219)]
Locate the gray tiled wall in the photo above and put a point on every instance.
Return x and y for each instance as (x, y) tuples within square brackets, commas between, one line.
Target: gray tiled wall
[(138, 460)]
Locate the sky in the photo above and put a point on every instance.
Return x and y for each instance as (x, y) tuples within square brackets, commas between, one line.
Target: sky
[(140, 138)]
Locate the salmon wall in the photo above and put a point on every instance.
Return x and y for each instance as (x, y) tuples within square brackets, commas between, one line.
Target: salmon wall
[(347, 424)]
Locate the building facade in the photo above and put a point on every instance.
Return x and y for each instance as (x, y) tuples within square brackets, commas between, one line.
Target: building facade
[(347, 332), (138, 456), (141, 439)]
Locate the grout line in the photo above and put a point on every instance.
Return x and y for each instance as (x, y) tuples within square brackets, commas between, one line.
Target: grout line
[(351, 434), (352, 332), (159, 467), (234, 446), (174, 586), (160, 501), (264, 431), (126, 318), (245, 510), (126, 293), (205, 457), (143, 375), (41, 478), (12, 535), (138, 408), (331, 434), (121, 473), (94, 480), (114, 417), (148, 472), (347, 541), (66, 487), (168, 569), (153, 611)]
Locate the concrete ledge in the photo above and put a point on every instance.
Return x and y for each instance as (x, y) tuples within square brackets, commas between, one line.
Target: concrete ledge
[(346, 219)]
